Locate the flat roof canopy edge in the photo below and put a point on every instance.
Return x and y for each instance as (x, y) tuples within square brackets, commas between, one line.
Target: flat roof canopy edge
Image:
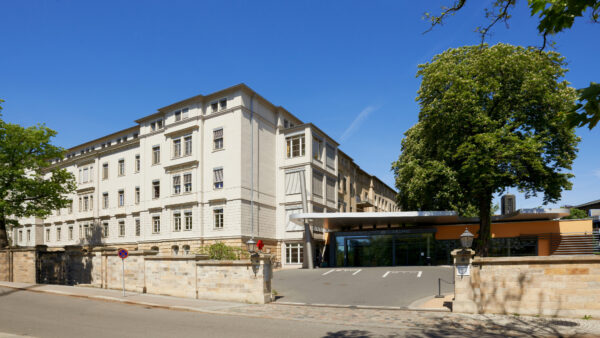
[(336, 220)]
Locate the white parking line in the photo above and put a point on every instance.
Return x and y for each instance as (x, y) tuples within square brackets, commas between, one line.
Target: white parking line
[(342, 270), (419, 273)]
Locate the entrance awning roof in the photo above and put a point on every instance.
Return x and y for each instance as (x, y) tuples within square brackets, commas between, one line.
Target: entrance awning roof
[(337, 220)]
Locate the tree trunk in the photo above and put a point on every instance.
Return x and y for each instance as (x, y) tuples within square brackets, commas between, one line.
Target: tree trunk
[(3, 233), (485, 225)]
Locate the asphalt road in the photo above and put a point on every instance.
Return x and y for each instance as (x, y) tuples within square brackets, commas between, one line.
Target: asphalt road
[(376, 286), (25, 313)]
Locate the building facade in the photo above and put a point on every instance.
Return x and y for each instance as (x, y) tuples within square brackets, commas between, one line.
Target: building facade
[(219, 167)]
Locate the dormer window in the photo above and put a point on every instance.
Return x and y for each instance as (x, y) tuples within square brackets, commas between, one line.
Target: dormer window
[(181, 114), (156, 125), (223, 104), (214, 106)]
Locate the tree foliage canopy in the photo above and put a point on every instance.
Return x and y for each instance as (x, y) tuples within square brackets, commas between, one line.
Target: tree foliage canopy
[(29, 186), (490, 118), (554, 16)]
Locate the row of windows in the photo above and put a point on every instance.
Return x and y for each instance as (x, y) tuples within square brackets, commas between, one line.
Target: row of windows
[(182, 220), (183, 114)]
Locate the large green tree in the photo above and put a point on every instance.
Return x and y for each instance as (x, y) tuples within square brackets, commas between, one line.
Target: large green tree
[(29, 185), (554, 17), (490, 118)]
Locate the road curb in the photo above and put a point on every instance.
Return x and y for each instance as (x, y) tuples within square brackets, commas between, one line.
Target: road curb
[(362, 307)]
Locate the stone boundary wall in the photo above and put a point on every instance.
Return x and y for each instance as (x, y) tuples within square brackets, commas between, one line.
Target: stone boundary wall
[(190, 276), (558, 286)]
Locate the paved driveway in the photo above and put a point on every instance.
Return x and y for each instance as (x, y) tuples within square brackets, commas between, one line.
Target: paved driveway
[(374, 286)]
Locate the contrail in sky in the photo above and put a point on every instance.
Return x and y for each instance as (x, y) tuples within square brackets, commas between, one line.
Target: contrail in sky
[(357, 121)]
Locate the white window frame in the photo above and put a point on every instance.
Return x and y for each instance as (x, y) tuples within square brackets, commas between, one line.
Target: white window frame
[(155, 154), (121, 228), (187, 182), (155, 184), (121, 167), (176, 221), (138, 227), (218, 218), (177, 147), (218, 139), (121, 195), (290, 250), (187, 145), (138, 163), (218, 180), (290, 143), (188, 219), (176, 184), (156, 224)]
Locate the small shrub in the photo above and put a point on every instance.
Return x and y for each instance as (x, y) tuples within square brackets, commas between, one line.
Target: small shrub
[(221, 251), (587, 317), (516, 314)]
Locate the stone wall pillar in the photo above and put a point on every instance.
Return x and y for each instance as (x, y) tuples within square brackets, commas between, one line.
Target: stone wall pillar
[(464, 294)]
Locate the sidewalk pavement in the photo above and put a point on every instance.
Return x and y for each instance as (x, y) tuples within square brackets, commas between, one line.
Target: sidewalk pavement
[(411, 322)]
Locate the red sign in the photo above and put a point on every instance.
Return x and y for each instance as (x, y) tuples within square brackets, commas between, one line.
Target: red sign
[(260, 244), (123, 253)]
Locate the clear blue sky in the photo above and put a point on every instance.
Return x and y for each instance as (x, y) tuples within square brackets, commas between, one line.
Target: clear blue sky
[(87, 68)]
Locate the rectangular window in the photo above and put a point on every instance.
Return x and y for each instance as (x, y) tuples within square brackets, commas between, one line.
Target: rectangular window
[(178, 115), (176, 184), (295, 146), (155, 154), (176, 147), (105, 200), (137, 195), (218, 139), (294, 253), (48, 235), (218, 216), (214, 106), (317, 149), (71, 207), (20, 235), (86, 177), (87, 229), (105, 229), (187, 182), (121, 228), (330, 150), (121, 198), (91, 202), (188, 145), (317, 185), (156, 224), (138, 163), (58, 233), (28, 235), (105, 171), (86, 203), (223, 104), (330, 192), (185, 113), (71, 233), (138, 228), (80, 204), (121, 167), (188, 220), (177, 221), (218, 178), (156, 189)]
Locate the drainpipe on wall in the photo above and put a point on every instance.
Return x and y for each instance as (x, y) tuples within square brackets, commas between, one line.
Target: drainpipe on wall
[(308, 242), (252, 166)]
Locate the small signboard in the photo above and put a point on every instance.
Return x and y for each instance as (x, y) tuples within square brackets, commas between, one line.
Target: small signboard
[(123, 253), (463, 270)]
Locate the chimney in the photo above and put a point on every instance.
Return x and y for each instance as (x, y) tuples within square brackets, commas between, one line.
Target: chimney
[(509, 204)]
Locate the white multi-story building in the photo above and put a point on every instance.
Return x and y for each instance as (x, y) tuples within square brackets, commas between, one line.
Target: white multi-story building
[(183, 177)]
